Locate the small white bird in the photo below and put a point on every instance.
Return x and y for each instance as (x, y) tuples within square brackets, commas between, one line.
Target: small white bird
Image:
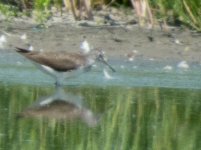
[(176, 41), (131, 55), (3, 40), (107, 75), (131, 59), (183, 65), (85, 46), (23, 37), (167, 68), (31, 48)]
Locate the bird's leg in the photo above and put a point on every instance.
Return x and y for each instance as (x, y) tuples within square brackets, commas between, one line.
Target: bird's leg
[(58, 83)]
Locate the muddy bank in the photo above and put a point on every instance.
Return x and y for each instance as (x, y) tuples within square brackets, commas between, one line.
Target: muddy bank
[(117, 41)]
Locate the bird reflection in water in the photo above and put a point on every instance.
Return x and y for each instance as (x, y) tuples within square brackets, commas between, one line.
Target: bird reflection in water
[(61, 106)]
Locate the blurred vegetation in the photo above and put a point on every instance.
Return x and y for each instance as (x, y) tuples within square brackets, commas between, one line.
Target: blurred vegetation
[(134, 118), (8, 10), (174, 12)]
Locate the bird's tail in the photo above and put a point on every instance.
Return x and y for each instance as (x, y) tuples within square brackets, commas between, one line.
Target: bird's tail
[(22, 50)]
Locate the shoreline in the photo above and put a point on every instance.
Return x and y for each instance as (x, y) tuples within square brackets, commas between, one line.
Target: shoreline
[(117, 41)]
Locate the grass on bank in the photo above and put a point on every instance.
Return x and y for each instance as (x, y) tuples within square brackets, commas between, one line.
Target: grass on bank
[(174, 12)]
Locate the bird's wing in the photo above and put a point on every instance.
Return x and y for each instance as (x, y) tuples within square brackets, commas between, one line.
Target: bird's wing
[(60, 61)]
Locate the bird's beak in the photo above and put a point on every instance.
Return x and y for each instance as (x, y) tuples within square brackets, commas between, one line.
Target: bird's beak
[(100, 58)]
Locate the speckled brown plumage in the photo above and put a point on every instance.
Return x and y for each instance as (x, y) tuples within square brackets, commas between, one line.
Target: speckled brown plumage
[(59, 61)]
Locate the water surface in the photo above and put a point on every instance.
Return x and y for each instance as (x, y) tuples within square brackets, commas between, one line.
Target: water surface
[(142, 108)]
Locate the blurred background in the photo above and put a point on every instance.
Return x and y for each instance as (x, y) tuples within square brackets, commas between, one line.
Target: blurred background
[(174, 12)]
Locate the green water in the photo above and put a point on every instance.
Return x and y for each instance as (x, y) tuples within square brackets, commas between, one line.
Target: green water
[(117, 118)]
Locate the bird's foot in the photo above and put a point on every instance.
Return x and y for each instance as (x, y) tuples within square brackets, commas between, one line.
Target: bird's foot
[(58, 84)]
